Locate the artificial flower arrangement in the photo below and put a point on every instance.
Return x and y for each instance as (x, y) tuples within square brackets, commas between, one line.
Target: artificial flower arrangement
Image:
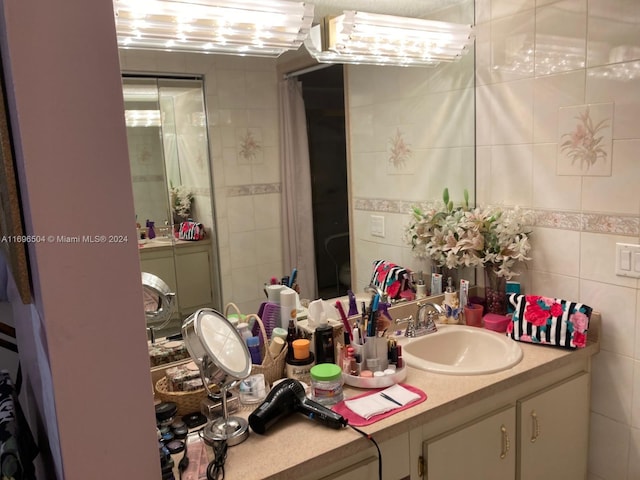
[(181, 198), (462, 236)]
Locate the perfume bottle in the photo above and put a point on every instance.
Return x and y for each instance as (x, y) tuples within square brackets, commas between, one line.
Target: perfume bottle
[(151, 232)]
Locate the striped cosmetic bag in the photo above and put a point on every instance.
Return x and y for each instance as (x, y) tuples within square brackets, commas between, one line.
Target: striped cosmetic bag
[(549, 321)]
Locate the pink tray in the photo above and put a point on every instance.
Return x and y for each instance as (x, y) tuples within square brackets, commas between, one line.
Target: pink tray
[(357, 421)]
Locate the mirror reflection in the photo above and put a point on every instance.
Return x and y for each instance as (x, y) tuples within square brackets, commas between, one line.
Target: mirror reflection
[(168, 151), (409, 133)]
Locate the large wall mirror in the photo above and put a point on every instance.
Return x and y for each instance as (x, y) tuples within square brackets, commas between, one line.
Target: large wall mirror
[(409, 133), (171, 179)]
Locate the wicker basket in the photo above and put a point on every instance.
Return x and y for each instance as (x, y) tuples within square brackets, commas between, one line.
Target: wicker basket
[(272, 367), (187, 402)]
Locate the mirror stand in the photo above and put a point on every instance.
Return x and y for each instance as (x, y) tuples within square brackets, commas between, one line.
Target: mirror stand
[(232, 429)]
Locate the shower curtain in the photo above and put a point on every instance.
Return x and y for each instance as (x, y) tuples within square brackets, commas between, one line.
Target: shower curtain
[(297, 214)]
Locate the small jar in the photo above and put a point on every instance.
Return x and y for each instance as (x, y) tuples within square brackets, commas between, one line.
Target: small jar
[(326, 384)]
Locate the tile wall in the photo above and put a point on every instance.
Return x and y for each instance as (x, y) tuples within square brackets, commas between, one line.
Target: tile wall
[(411, 134), (242, 110), (535, 58)]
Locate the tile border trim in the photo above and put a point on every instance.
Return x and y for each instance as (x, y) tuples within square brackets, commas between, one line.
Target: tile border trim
[(589, 222)]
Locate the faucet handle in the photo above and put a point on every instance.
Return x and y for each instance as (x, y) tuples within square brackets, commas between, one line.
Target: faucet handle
[(410, 330)]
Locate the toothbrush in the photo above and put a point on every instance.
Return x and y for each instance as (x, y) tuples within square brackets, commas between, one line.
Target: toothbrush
[(344, 318), (292, 278)]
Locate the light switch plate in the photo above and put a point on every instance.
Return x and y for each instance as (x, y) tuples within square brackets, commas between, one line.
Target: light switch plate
[(627, 260), (377, 225)]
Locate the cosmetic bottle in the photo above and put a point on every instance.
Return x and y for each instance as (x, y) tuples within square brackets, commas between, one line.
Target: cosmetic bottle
[(288, 306), (421, 290), (253, 344), (451, 303), (292, 335), (300, 361), (324, 346), (151, 232)]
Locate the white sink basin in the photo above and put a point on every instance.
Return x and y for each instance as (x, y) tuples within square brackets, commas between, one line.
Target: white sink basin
[(461, 350)]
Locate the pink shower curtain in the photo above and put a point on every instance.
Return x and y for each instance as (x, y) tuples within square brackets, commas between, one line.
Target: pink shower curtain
[(297, 215)]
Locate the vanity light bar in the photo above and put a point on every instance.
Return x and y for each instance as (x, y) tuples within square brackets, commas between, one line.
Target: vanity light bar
[(249, 27), (360, 37), (142, 118)]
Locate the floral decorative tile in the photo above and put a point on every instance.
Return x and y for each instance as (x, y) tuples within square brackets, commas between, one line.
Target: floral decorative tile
[(249, 145), (400, 159), (584, 140)]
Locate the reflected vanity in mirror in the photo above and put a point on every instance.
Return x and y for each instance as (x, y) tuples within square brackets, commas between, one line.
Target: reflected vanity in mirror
[(410, 134), (168, 151)]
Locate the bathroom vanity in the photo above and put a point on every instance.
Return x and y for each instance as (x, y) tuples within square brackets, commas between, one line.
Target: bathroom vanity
[(185, 267), (530, 421)]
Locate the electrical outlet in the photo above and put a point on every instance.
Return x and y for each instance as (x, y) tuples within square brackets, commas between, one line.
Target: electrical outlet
[(376, 223), (628, 260)]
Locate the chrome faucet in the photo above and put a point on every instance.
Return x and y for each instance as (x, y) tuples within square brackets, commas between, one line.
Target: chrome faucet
[(425, 323)]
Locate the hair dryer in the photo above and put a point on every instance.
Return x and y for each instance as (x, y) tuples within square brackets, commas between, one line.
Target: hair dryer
[(286, 398)]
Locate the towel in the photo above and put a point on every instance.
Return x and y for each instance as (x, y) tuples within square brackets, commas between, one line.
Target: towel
[(388, 399)]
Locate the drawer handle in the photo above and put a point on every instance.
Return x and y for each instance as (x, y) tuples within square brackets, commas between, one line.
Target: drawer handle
[(506, 444), (535, 427)]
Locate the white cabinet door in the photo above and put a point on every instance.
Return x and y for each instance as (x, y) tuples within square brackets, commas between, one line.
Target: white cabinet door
[(482, 450), (193, 270), (553, 430)]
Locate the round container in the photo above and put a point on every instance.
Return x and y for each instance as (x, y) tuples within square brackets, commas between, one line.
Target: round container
[(495, 322), (326, 384), (279, 332), (300, 369), (300, 348), (165, 413)]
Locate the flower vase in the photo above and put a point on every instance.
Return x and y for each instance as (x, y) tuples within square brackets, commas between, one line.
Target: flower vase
[(495, 292)]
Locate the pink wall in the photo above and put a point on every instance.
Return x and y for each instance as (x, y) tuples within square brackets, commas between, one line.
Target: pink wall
[(88, 363)]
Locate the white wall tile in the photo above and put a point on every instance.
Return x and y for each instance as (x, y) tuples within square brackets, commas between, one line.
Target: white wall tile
[(241, 214), (560, 37), (501, 8), (614, 31), (608, 448), (512, 47), (597, 253), (617, 306), (511, 175), (618, 83), (635, 404), (616, 193), (551, 190), (550, 93), (562, 251), (512, 112), (634, 454), (266, 210), (553, 285), (243, 249), (612, 386), (636, 354)]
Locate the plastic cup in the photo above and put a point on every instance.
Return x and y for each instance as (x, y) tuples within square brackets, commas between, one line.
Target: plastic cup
[(473, 315)]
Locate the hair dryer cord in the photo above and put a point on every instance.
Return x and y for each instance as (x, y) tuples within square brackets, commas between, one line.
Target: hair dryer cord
[(365, 434), (215, 469)]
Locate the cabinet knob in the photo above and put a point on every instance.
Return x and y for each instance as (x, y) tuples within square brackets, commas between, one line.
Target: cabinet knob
[(506, 444), (535, 428)]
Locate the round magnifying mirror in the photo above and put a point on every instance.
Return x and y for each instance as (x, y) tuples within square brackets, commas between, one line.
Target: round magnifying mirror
[(159, 302), (223, 359)]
